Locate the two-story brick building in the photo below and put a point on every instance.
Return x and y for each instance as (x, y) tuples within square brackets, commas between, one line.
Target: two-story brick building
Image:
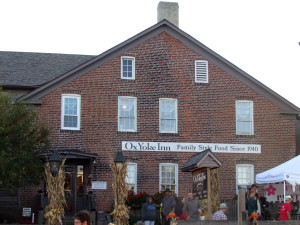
[(160, 97)]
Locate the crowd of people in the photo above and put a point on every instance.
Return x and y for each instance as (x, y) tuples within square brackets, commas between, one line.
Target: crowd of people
[(254, 205), (189, 208)]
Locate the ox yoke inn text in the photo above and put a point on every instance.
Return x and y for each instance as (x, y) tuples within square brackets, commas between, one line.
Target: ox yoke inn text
[(190, 147)]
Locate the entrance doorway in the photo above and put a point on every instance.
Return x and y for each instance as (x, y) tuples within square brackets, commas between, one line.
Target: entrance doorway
[(77, 168), (75, 188)]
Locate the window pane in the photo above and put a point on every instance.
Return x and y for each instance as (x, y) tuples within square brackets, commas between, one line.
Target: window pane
[(244, 127), (131, 177), (70, 121), (244, 118), (70, 107), (127, 114), (168, 177), (127, 67), (168, 115), (126, 123), (79, 180), (244, 175), (131, 124)]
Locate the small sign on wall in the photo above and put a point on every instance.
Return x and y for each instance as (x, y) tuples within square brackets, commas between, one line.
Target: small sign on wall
[(102, 185), (26, 212)]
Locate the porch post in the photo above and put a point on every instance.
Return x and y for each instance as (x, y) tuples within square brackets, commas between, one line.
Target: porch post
[(209, 216), (284, 191)]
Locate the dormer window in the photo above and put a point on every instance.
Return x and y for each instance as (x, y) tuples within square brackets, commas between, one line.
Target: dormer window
[(127, 67), (201, 71)]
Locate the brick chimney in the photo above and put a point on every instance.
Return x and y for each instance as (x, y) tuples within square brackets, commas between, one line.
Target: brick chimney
[(168, 11)]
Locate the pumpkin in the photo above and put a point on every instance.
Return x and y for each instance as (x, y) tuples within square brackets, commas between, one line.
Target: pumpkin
[(171, 214), (253, 215)]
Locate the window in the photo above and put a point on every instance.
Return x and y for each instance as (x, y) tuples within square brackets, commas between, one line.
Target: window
[(168, 177), (70, 112), (127, 114), (167, 115), (244, 117), (127, 67), (201, 71), (131, 177), (244, 175)]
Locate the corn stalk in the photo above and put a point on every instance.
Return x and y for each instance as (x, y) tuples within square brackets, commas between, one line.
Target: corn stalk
[(120, 188), (215, 202), (56, 195)]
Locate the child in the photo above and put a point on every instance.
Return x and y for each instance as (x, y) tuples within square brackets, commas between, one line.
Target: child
[(149, 212)]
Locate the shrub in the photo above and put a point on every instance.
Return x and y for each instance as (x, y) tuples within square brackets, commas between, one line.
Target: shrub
[(137, 200)]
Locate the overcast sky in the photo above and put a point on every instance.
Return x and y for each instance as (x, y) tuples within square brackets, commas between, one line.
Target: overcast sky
[(261, 37)]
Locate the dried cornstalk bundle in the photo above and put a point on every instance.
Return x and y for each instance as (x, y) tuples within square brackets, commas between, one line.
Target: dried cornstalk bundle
[(215, 202), (120, 189), (56, 195)]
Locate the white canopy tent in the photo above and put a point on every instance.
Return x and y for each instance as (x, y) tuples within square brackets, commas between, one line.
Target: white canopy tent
[(288, 171)]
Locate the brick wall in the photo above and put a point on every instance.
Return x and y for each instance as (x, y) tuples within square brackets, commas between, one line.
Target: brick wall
[(206, 114)]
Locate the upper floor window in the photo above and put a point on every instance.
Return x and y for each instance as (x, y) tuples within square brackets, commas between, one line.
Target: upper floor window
[(244, 175), (201, 71), (168, 177), (70, 112), (127, 67), (167, 115), (131, 177), (244, 117), (127, 114)]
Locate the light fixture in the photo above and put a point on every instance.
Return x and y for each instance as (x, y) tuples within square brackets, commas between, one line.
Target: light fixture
[(54, 161), (119, 158)]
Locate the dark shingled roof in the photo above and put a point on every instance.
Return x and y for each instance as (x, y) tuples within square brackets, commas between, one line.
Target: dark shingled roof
[(193, 160), (35, 69)]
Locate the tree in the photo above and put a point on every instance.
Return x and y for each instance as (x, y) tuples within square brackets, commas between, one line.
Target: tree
[(22, 140)]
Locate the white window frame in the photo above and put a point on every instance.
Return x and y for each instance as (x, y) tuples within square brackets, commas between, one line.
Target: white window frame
[(133, 67), (63, 97), (135, 113), (251, 117), (176, 115), (201, 71), (135, 175), (176, 175), (236, 175)]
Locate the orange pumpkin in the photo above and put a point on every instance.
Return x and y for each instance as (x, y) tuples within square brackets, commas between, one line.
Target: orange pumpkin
[(253, 215), (171, 214)]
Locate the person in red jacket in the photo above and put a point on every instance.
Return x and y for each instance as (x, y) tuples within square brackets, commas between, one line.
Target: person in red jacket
[(286, 209)]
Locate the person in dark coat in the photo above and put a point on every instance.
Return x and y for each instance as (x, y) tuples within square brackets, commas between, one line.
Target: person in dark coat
[(149, 212), (252, 203), (168, 205), (179, 206)]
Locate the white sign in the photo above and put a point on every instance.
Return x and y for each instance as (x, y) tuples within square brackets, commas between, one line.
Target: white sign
[(189, 147), (26, 212), (274, 192), (99, 185)]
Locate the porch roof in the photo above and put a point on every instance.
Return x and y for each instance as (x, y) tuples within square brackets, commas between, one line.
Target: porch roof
[(200, 160)]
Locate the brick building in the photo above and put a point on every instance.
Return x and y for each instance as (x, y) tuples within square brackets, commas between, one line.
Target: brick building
[(161, 97)]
